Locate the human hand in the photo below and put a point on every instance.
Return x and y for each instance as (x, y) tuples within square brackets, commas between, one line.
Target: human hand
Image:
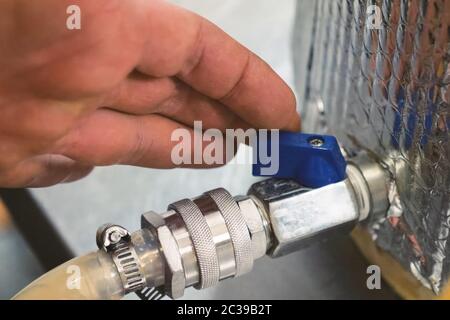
[(114, 91)]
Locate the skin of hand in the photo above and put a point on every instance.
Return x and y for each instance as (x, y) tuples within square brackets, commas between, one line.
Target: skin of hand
[(114, 91)]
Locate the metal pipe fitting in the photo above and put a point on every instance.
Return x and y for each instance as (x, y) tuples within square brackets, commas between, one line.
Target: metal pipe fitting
[(370, 182), (136, 256), (207, 239), (199, 242), (299, 216)]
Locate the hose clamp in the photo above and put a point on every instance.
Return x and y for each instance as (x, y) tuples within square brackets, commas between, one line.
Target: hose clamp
[(116, 240)]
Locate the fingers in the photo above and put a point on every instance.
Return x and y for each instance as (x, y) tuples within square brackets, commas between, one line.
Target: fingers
[(193, 71), (189, 106), (43, 171), (207, 59), (142, 95), (108, 137)]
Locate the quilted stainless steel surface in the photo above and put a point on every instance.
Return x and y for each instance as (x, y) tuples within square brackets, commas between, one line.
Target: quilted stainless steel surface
[(386, 91)]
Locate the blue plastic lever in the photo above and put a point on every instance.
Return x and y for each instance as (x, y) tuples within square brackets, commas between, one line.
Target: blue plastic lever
[(310, 159)]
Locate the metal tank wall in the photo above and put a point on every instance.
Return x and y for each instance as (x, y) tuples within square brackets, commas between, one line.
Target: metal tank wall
[(383, 88)]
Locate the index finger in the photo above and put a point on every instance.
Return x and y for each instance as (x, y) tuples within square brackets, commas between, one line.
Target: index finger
[(182, 44)]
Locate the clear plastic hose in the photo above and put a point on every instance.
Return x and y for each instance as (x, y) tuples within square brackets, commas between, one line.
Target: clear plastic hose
[(92, 276)]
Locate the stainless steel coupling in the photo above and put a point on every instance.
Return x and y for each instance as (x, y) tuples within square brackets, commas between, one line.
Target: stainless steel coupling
[(208, 239), (201, 241)]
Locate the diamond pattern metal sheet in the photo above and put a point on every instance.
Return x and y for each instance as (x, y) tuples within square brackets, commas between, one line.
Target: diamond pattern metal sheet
[(385, 90)]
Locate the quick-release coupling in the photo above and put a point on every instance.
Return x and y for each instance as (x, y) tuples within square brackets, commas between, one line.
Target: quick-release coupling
[(197, 242), (201, 241), (208, 239)]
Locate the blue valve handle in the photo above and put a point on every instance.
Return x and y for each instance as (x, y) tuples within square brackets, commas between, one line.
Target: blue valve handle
[(310, 159)]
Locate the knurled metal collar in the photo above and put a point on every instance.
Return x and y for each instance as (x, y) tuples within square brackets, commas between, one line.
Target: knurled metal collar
[(202, 240), (237, 228)]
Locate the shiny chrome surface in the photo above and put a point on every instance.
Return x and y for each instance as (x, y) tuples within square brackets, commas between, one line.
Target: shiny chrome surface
[(299, 216), (202, 240), (236, 228), (257, 225), (371, 183), (220, 235), (173, 269), (176, 224), (193, 244)]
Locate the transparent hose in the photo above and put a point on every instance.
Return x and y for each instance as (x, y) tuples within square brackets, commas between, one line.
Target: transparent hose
[(92, 276)]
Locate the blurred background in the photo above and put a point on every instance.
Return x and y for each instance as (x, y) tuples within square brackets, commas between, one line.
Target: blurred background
[(61, 221)]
